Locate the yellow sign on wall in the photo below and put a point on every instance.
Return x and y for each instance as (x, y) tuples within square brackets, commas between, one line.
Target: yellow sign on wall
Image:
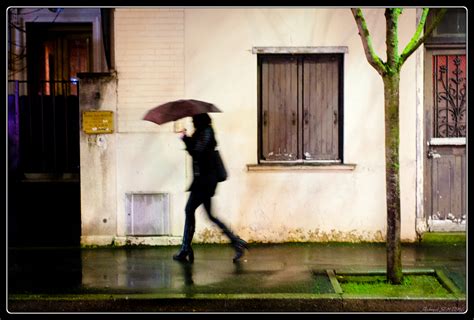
[(95, 122)]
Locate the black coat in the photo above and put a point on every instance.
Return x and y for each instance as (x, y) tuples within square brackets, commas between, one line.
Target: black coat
[(201, 147)]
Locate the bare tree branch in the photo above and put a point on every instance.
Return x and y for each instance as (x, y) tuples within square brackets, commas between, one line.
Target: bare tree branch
[(416, 40), (372, 57), (391, 39)]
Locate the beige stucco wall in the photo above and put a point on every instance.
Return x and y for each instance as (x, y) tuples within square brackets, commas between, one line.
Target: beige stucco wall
[(275, 206), (213, 56), (98, 165)]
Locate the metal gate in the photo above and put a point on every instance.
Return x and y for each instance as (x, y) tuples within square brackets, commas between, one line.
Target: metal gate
[(45, 127), (43, 156)]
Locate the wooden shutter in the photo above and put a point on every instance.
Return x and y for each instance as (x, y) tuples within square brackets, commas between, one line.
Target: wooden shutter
[(279, 79), (321, 107)]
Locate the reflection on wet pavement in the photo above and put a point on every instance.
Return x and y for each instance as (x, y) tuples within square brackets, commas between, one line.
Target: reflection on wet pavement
[(282, 268)]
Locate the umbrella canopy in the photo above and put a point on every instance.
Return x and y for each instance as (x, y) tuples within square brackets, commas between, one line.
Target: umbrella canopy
[(175, 110)]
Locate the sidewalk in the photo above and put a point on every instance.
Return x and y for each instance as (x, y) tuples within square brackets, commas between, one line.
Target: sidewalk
[(277, 277)]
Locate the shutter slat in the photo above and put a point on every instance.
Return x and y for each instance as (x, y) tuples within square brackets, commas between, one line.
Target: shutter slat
[(265, 97)]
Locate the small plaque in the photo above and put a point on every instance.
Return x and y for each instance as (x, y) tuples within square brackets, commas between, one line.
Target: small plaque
[(98, 122)]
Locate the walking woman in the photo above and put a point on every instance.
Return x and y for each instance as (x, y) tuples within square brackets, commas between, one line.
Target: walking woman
[(201, 147)]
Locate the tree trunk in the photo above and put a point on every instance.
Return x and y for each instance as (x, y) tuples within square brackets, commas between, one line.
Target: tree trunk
[(390, 72), (394, 262)]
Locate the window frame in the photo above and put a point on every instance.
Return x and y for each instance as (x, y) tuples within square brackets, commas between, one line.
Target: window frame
[(447, 39), (301, 53)]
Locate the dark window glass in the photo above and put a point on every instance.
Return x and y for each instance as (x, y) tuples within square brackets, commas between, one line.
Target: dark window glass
[(451, 29)]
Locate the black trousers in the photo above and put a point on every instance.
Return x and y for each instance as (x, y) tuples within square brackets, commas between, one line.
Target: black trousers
[(196, 198)]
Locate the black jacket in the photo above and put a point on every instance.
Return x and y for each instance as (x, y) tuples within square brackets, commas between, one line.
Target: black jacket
[(201, 147)]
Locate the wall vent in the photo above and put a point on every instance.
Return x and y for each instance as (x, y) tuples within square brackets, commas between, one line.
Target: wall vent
[(147, 214)]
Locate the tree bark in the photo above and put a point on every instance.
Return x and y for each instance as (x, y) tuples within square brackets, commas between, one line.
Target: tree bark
[(391, 82), (392, 177)]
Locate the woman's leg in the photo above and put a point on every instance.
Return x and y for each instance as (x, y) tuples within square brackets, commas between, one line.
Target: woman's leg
[(222, 226), (189, 227), (236, 242)]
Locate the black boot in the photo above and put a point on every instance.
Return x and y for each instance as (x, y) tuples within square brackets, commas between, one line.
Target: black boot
[(186, 250), (239, 246), (185, 255)]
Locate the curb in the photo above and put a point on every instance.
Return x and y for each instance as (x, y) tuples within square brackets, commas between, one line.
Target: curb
[(232, 303)]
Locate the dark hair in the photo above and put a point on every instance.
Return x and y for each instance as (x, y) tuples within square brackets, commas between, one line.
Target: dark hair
[(201, 120)]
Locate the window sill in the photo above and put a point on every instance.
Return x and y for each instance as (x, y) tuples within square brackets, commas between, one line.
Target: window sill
[(301, 167)]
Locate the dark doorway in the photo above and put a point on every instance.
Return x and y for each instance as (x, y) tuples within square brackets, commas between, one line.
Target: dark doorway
[(43, 132)]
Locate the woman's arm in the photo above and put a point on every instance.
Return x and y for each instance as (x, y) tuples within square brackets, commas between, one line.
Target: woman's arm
[(196, 145)]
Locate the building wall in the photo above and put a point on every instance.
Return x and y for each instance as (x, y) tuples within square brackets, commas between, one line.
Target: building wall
[(98, 158), (167, 54)]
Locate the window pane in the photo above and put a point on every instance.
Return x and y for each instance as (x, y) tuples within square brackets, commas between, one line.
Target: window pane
[(451, 29), (454, 22)]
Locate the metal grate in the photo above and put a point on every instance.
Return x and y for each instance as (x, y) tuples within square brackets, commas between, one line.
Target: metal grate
[(450, 95), (148, 214), (44, 127)]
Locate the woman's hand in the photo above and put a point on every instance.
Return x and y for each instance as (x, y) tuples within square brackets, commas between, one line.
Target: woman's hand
[(182, 133)]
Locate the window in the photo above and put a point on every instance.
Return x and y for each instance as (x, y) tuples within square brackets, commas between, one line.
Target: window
[(60, 52), (300, 107), (451, 29)]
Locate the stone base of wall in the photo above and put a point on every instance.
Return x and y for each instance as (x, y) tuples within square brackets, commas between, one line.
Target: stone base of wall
[(97, 240), (148, 241), (92, 241)]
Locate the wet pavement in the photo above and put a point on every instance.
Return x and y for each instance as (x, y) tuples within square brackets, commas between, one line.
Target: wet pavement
[(266, 269)]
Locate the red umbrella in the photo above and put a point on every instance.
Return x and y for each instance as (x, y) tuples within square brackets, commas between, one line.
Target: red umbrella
[(175, 110)]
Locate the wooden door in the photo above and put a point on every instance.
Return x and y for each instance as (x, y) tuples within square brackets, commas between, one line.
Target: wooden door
[(445, 133)]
